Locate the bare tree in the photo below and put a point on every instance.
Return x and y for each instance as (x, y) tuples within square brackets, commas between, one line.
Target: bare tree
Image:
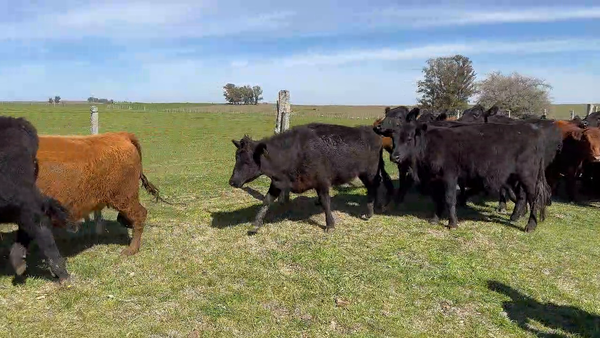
[(448, 83), (515, 92)]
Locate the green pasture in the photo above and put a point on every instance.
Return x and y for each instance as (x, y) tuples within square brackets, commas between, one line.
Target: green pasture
[(199, 274)]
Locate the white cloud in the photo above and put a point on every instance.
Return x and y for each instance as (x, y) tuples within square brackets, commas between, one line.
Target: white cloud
[(428, 51), (193, 19), (432, 17)]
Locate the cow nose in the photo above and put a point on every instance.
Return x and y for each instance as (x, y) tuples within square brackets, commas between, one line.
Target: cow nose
[(395, 158), (597, 158), (232, 183)]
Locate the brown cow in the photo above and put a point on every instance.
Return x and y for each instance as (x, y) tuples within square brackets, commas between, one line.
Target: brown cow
[(89, 173), (579, 146)]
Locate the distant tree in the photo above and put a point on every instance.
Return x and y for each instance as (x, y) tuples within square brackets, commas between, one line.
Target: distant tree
[(57, 99), (257, 91), (230, 93), (515, 92), (247, 94), (448, 83), (50, 101)]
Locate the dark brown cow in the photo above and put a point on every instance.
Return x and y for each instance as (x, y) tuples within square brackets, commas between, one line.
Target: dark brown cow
[(89, 173)]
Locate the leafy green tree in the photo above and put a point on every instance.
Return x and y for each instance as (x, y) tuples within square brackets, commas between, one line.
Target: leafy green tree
[(448, 83)]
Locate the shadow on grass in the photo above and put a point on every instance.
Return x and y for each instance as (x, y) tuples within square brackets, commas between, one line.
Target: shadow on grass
[(521, 309), (69, 245), (301, 208), (298, 209)]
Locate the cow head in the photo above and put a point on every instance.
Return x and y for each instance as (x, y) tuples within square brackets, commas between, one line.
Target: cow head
[(393, 118), (406, 138), (247, 161), (473, 114), (591, 141), (593, 120)]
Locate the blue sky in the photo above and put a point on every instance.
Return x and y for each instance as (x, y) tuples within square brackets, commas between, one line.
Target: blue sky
[(323, 52)]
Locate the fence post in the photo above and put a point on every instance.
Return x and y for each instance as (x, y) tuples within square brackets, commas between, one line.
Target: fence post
[(572, 114), (94, 131), (509, 113), (545, 115), (457, 114), (282, 123), (589, 109)]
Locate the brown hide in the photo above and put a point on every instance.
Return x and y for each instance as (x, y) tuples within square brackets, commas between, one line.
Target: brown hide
[(87, 173), (388, 145)]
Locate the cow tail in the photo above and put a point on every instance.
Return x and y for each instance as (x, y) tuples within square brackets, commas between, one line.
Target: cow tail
[(542, 191), (55, 210), (146, 184)]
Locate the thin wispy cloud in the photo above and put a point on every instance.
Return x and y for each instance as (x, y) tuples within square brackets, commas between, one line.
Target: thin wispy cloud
[(435, 17), (197, 19), (428, 51)]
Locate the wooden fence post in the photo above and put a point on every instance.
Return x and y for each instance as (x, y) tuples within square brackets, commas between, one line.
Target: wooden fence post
[(457, 114), (545, 115), (509, 113), (282, 123), (589, 109), (572, 114), (94, 131)]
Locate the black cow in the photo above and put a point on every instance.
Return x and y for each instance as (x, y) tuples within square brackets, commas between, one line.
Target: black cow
[(551, 139), (313, 156), (21, 202), (592, 120), (442, 156)]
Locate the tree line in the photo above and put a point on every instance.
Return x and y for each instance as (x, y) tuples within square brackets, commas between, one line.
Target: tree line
[(242, 95), (449, 83)]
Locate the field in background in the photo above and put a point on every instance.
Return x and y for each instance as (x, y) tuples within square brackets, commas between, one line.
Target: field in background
[(558, 111), (198, 273)]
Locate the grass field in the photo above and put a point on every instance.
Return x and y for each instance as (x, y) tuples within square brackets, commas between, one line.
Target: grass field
[(199, 274)]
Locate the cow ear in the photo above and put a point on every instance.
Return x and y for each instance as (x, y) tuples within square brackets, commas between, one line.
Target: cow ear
[(577, 134), (387, 110), (442, 117), (412, 115), (261, 150), (492, 111), (422, 128), (236, 144)]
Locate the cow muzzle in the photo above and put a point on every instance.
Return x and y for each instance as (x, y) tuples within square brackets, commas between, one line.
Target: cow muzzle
[(235, 183), (596, 159)]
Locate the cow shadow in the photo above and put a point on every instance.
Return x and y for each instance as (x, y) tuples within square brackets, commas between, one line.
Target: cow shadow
[(422, 207), (299, 209), (69, 245), (521, 309)]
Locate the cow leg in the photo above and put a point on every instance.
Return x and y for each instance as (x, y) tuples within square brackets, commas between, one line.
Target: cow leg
[(99, 222), (326, 203), (284, 196), (45, 241), (502, 201), (530, 193), (450, 197), (371, 186), (520, 205), (136, 214), (437, 195), (405, 181), (260, 216), (18, 252)]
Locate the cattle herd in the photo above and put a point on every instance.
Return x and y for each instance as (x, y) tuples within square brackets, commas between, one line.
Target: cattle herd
[(55, 181)]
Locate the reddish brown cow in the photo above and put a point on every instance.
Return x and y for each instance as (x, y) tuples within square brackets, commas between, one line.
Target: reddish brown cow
[(89, 173), (579, 145)]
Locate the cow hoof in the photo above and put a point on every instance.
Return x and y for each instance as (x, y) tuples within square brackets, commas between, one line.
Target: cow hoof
[(529, 228), (66, 282), (501, 210), (329, 229), (452, 227), (17, 258), (365, 217), (253, 231), (129, 252), (434, 220)]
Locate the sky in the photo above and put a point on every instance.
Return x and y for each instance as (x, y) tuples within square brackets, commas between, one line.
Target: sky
[(353, 52)]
